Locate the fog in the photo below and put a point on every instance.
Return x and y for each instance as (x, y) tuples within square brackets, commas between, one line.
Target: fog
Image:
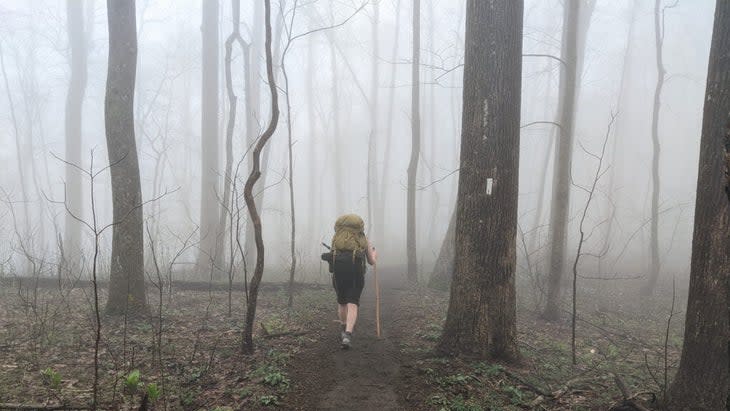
[(330, 132)]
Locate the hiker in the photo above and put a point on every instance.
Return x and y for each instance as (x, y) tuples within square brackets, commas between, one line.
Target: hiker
[(349, 252)]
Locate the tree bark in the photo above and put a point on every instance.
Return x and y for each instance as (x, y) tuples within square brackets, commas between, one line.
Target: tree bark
[(209, 184), (74, 106), (703, 377), (126, 281), (576, 17), (415, 145), (481, 318), (248, 190)]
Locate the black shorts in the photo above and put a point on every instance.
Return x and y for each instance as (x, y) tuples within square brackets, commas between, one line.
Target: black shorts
[(348, 280)]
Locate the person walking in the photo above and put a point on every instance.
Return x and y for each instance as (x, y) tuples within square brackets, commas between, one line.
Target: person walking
[(350, 251)]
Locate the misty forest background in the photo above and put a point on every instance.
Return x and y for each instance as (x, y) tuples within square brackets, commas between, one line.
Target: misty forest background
[(369, 100), (331, 86)]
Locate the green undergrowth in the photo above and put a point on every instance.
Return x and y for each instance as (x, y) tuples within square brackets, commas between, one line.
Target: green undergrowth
[(626, 343), (49, 360)]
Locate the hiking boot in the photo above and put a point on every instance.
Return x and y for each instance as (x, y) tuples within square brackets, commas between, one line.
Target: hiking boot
[(346, 339)]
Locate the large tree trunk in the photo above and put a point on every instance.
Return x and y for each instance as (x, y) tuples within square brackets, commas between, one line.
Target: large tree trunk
[(415, 145), (656, 149), (209, 192), (252, 295), (703, 378), (481, 318), (443, 271), (576, 18), (74, 106), (126, 282)]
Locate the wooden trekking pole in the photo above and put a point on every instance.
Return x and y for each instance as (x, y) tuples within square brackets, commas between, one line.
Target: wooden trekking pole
[(377, 301)]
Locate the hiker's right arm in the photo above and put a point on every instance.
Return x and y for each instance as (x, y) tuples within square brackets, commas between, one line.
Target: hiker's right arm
[(372, 254)]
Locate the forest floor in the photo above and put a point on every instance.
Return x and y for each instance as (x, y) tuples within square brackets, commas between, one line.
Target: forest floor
[(46, 353)]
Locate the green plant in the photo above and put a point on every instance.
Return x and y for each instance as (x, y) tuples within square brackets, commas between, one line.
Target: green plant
[(144, 327), (456, 379), (457, 403), (276, 379), (195, 374), (516, 395), (188, 398), (51, 377), (269, 400), (460, 404), (274, 325), (153, 392), (278, 357), (489, 370), (245, 392), (428, 371), (131, 381)]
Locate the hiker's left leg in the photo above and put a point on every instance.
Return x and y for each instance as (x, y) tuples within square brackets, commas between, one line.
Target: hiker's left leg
[(351, 311), (342, 311)]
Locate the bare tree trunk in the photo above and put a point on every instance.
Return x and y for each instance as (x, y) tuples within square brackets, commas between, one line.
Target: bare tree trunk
[(248, 191), (443, 271), (209, 184), (415, 145), (126, 282), (290, 146), (576, 18), (74, 106), (253, 99), (292, 244), (481, 318), (225, 207), (648, 288), (703, 377)]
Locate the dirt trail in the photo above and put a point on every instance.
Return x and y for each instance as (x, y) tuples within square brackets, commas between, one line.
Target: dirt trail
[(364, 377)]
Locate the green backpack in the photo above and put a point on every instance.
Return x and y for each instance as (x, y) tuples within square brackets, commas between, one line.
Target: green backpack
[(349, 234)]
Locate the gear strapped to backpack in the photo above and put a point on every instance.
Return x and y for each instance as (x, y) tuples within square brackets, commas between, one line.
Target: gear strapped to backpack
[(349, 243)]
